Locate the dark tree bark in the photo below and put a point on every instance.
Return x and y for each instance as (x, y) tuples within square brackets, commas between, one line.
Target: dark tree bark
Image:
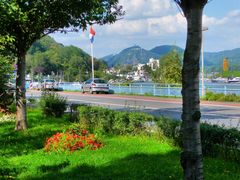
[(21, 122), (191, 157)]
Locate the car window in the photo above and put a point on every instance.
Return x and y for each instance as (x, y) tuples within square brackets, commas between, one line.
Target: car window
[(100, 81), (49, 80), (88, 81)]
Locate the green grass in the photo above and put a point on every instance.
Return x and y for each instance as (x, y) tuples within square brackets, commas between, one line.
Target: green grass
[(122, 157)]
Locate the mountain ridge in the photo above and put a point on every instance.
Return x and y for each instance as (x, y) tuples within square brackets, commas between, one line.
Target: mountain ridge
[(136, 54)]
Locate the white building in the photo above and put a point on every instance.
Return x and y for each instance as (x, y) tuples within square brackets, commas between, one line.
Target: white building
[(153, 63), (139, 74)]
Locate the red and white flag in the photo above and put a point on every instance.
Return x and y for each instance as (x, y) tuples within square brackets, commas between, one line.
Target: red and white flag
[(91, 34)]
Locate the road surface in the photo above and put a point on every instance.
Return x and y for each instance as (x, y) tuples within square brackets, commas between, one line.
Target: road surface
[(221, 113)]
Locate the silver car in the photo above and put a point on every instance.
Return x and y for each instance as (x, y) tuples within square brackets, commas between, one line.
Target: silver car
[(48, 84), (95, 85)]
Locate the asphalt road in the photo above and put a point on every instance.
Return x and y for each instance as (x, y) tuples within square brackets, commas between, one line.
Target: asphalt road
[(226, 114)]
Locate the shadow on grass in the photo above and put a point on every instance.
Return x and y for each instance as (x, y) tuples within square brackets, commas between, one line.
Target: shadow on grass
[(137, 166), (16, 143), (54, 168)]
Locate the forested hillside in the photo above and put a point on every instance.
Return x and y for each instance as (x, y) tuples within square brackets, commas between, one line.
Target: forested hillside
[(67, 63), (213, 60), (132, 55)]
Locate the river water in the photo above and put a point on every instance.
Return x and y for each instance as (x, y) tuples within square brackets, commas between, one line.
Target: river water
[(159, 89)]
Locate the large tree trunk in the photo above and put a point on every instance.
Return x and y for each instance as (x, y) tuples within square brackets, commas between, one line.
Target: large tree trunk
[(21, 122), (191, 157)]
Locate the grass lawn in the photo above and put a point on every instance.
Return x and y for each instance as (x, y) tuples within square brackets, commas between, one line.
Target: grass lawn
[(121, 157)]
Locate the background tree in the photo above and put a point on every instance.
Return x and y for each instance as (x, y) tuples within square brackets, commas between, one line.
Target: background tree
[(47, 57), (191, 157), (125, 68), (6, 70), (148, 71), (29, 20), (169, 70)]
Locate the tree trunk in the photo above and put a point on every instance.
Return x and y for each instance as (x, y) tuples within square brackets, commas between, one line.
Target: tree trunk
[(191, 157), (21, 122)]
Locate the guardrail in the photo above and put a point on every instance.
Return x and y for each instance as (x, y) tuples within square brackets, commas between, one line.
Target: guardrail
[(160, 89)]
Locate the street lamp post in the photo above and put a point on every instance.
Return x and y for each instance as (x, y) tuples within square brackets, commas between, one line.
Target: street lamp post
[(203, 90)]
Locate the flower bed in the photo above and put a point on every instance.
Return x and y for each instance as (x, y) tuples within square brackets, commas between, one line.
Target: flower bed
[(72, 140)]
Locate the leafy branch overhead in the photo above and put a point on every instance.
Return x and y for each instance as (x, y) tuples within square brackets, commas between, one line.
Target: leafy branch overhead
[(31, 19), (28, 20)]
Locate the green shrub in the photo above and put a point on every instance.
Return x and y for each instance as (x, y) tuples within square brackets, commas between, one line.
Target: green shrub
[(217, 141), (96, 119), (137, 121), (105, 121), (121, 122), (52, 104), (168, 126), (171, 129), (211, 96), (12, 108), (232, 98)]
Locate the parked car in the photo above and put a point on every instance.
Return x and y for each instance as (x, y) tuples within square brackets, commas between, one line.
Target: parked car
[(35, 85), (48, 84), (95, 85)]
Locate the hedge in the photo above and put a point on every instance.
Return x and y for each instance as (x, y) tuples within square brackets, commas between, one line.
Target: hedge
[(216, 140)]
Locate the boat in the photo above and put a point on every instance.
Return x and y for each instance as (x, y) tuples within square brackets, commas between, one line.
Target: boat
[(234, 80), (219, 80)]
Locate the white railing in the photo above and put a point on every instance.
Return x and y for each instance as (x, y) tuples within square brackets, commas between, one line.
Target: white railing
[(159, 89)]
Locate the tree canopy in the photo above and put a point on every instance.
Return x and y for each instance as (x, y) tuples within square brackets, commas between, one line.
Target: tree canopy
[(66, 63), (169, 70), (28, 20)]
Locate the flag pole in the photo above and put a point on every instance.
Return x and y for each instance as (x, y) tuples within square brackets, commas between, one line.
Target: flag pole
[(92, 60)]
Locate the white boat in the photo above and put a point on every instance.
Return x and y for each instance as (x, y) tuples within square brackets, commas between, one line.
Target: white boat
[(220, 80), (234, 80)]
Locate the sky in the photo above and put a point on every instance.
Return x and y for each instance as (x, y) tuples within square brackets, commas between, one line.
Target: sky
[(151, 23)]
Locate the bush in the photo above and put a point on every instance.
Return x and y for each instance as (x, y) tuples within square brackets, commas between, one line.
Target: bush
[(105, 121), (217, 141), (171, 129), (121, 122), (12, 108), (168, 126), (137, 122), (210, 96), (96, 119), (52, 104)]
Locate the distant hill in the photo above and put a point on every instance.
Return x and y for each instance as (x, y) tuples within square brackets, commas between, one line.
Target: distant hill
[(214, 60), (108, 57), (136, 54), (131, 55), (164, 49), (69, 63)]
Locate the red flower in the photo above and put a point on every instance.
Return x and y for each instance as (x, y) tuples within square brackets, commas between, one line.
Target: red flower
[(84, 132), (71, 141)]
